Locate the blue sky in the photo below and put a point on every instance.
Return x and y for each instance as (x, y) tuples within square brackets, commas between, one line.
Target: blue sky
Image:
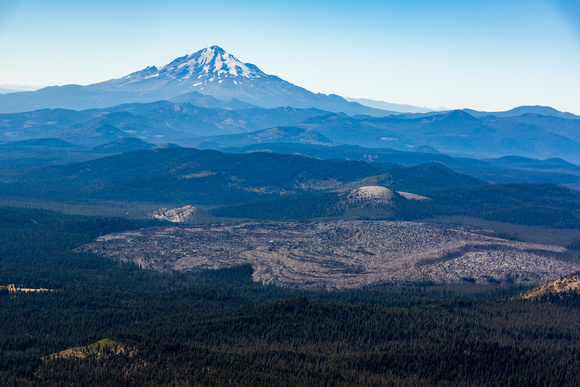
[(491, 55)]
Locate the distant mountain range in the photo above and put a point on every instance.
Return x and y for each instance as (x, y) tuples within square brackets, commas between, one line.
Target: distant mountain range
[(395, 107), (456, 133), (7, 88), (157, 122), (521, 110)]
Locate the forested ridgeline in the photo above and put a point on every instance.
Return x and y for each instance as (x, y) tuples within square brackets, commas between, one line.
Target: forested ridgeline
[(220, 328), (542, 205)]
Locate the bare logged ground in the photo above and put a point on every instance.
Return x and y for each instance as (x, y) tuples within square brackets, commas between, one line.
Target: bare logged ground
[(339, 255)]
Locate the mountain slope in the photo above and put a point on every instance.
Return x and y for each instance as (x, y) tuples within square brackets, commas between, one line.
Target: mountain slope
[(209, 102), (286, 134), (123, 145), (567, 127), (36, 143), (567, 286), (93, 134), (526, 204)]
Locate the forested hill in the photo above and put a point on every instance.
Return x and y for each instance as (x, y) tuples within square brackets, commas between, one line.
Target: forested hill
[(187, 175)]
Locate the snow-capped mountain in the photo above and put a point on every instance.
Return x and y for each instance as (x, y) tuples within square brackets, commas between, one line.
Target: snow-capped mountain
[(211, 71), (209, 67)]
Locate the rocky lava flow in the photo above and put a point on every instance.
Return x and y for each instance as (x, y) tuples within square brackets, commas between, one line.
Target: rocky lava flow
[(338, 255)]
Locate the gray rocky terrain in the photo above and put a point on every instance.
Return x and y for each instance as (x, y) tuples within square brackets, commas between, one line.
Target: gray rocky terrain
[(186, 214), (338, 255)]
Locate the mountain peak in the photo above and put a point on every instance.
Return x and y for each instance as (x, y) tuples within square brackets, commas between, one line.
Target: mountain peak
[(211, 62), (456, 115), (216, 49)]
